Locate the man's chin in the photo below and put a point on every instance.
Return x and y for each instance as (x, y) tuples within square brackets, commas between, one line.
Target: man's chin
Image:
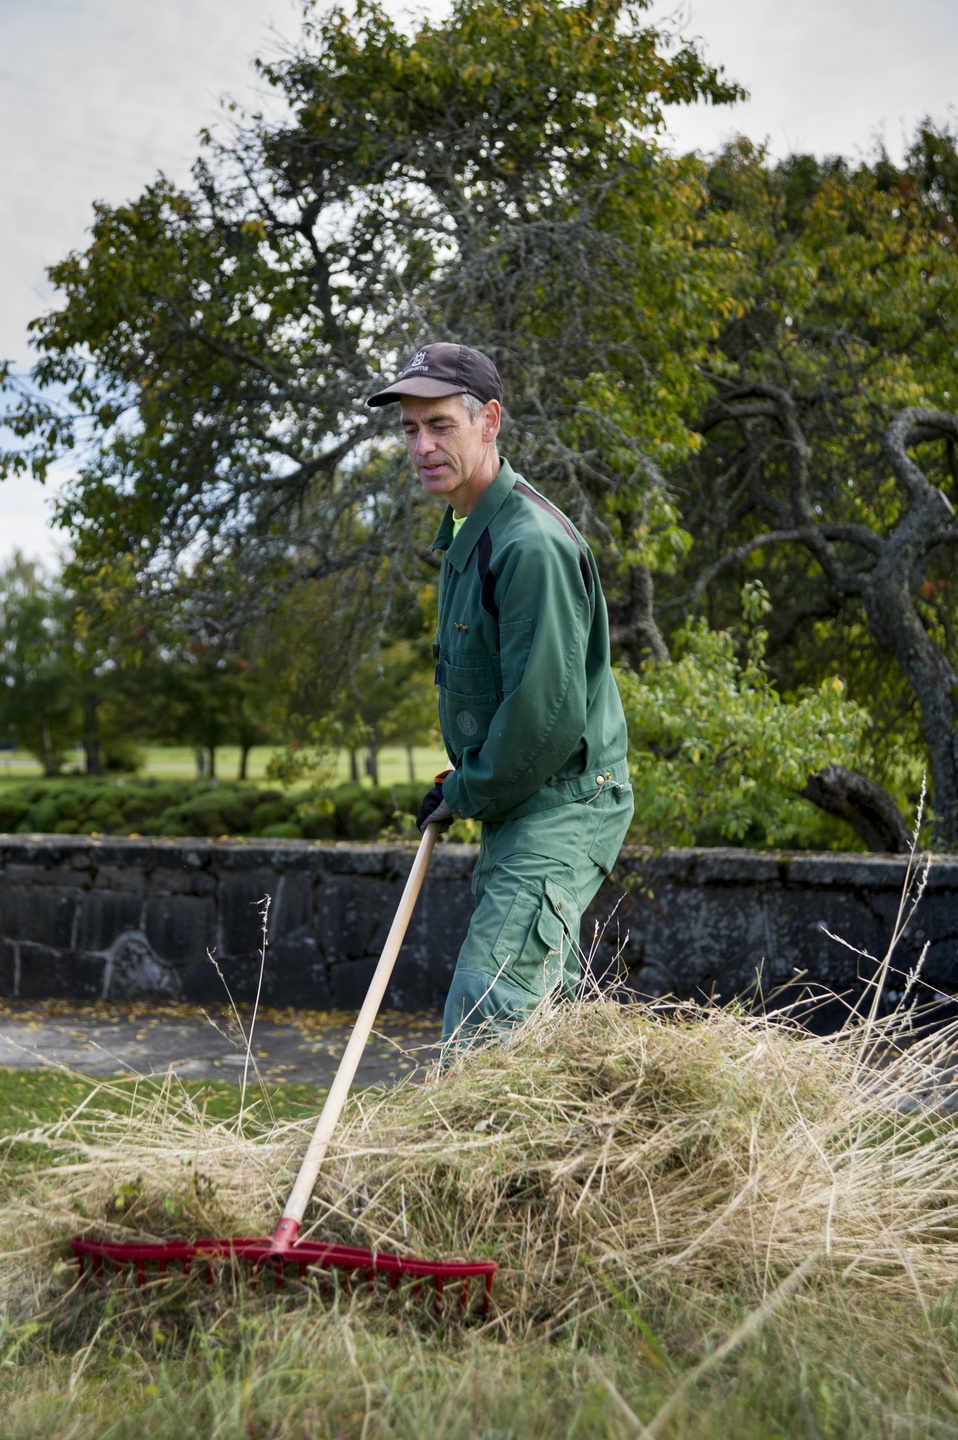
[(438, 484)]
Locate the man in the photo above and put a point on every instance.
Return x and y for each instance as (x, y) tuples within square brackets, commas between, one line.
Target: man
[(530, 715)]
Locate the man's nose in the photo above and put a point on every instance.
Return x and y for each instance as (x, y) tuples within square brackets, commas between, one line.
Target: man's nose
[(424, 442)]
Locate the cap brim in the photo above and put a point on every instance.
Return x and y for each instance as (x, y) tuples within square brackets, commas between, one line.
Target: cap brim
[(420, 387)]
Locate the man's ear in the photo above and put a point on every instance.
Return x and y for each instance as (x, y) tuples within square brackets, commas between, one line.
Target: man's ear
[(491, 417)]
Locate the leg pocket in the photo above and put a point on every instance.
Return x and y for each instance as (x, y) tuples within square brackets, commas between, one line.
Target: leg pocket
[(535, 947)]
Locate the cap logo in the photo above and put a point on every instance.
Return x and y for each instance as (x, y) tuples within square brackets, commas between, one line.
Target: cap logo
[(418, 362)]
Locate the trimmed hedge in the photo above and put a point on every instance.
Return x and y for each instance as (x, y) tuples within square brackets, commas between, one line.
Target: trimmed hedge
[(86, 806)]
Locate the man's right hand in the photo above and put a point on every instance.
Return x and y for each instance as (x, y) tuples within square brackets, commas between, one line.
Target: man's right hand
[(434, 808)]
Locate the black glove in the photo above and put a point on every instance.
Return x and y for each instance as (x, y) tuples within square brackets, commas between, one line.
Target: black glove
[(434, 807)]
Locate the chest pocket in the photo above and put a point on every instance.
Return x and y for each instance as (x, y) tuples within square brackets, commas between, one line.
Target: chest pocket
[(470, 693)]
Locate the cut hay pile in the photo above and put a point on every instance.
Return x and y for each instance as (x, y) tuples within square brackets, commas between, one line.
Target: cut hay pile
[(605, 1150)]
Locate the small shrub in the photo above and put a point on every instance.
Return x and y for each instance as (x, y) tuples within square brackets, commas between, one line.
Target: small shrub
[(273, 812), (12, 811)]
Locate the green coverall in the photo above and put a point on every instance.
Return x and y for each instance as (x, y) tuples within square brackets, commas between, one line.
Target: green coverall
[(534, 727)]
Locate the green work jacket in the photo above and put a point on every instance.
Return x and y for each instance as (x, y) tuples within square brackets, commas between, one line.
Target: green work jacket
[(530, 714)]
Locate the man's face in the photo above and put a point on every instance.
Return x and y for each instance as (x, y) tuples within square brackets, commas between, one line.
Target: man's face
[(451, 452)]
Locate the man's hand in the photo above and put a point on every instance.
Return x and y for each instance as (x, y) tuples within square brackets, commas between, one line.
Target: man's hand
[(434, 807)]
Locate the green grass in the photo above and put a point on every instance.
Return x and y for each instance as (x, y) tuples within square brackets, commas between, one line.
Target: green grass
[(29, 1096), (179, 762), (723, 1350)]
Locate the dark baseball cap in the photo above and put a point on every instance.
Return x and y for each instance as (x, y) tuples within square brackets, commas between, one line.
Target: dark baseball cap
[(444, 369)]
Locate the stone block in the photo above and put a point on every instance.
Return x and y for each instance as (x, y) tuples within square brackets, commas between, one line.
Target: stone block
[(295, 974), (179, 855), (735, 867), (201, 983), (369, 860), (292, 904), (59, 974), (444, 911), (8, 968), (240, 905), (354, 915), (181, 928), (29, 877), (411, 985), (44, 852), (41, 914), (349, 981), (105, 914), (132, 877), (453, 862), (133, 972), (234, 855), (184, 882), (291, 855)]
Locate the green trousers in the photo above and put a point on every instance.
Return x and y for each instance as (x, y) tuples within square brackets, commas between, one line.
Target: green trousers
[(533, 879)]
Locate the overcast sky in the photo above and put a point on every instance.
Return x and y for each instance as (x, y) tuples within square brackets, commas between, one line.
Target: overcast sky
[(96, 96)]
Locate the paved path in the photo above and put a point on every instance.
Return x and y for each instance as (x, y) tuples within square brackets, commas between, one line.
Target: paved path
[(111, 1038)]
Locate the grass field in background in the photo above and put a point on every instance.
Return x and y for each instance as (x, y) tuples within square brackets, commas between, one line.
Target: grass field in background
[(178, 762)]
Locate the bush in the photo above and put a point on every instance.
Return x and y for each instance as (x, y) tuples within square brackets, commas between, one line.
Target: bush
[(12, 811), (100, 805), (717, 755)]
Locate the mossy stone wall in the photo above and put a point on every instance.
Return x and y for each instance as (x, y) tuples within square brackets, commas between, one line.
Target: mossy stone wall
[(97, 917)]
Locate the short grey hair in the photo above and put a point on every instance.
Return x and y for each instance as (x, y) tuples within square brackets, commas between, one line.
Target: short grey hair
[(472, 405)]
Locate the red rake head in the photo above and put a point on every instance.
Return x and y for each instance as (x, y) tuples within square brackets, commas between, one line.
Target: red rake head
[(152, 1261)]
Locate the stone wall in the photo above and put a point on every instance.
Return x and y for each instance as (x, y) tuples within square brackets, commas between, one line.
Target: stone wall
[(89, 918)]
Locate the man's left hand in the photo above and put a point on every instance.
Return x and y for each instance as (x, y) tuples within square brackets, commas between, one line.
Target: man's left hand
[(434, 808)]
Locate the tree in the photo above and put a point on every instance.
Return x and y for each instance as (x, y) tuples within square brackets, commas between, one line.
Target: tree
[(714, 749), (492, 178), (839, 365), (61, 680), (38, 702)]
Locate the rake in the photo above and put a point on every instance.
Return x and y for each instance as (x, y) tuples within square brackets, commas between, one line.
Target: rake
[(284, 1253)]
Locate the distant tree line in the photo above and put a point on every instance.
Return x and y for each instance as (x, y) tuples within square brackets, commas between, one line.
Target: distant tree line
[(78, 687)]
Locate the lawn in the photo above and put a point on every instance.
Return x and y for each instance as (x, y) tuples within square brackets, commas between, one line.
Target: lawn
[(706, 1225), (179, 762)]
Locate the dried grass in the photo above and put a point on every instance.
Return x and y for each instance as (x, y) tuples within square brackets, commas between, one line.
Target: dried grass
[(604, 1152)]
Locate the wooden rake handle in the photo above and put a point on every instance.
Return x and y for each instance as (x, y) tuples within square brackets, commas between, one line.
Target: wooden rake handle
[(288, 1228)]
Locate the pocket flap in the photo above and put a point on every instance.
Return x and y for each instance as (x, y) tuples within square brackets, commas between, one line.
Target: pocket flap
[(557, 917)]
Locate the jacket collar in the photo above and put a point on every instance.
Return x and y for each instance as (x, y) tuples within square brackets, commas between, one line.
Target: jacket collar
[(491, 501)]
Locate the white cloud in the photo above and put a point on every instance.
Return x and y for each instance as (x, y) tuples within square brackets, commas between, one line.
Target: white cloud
[(824, 76)]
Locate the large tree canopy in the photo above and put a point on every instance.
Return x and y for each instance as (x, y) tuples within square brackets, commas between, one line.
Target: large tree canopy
[(841, 362), (492, 178)]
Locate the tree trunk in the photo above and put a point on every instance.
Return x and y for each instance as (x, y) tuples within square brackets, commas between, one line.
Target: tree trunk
[(244, 753), (411, 764), (212, 762), (868, 808), (353, 766), (632, 622), (372, 764), (51, 765), (91, 735), (200, 762), (894, 620)]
